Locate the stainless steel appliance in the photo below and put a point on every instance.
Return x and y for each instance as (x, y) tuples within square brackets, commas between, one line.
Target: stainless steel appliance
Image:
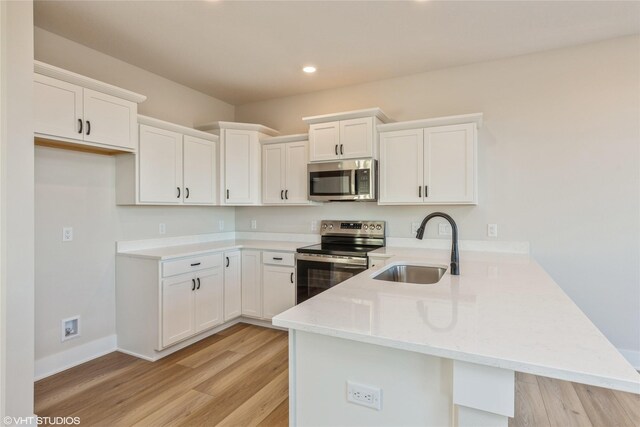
[(348, 180), (341, 255)]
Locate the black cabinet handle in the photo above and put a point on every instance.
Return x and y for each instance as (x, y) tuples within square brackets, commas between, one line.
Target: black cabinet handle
[(193, 288), (227, 193), (198, 283), (80, 127), (292, 277), (277, 258), (227, 261), (419, 190), (426, 191), (336, 149), (178, 192), (88, 127), (281, 194), (187, 192), (194, 264), (341, 149), (286, 194)]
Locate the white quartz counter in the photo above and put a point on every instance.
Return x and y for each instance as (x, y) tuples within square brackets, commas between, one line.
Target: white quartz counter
[(503, 310), (178, 251)]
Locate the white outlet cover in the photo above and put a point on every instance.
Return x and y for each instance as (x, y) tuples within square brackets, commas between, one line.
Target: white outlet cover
[(254, 224), (444, 229), (364, 395), (492, 230), (314, 225), (221, 225), (67, 234), (162, 228)]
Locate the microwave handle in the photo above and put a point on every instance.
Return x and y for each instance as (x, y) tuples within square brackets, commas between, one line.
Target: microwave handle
[(353, 182)]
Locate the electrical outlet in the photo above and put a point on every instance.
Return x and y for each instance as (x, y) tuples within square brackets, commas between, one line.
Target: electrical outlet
[(254, 224), (314, 225), (221, 225), (67, 234), (414, 227), (492, 230), (364, 395), (444, 229), (162, 228)]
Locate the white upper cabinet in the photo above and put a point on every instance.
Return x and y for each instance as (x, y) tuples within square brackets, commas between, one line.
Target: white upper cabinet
[(77, 110), (174, 165), (431, 161), (284, 170), (348, 135), (241, 161)]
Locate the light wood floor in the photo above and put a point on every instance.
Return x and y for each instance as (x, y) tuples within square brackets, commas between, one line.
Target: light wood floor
[(239, 378)]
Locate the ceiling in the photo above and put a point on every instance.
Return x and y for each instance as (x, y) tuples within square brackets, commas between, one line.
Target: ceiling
[(245, 51)]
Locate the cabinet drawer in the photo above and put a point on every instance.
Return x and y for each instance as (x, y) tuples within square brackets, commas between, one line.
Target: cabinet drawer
[(186, 265), (278, 258)]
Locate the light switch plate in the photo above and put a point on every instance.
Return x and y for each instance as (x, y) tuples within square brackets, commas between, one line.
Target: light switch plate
[(67, 234), (162, 228), (492, 230)]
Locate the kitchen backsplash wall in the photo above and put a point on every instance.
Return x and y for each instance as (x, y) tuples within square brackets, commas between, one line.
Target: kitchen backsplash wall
[(558, 161), (78, 189)]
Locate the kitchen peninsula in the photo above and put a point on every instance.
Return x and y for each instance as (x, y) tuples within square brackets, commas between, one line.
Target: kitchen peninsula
[(440, 354)]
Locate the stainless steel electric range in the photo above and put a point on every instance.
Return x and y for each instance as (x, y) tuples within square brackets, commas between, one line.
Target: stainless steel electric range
[(341, 254)]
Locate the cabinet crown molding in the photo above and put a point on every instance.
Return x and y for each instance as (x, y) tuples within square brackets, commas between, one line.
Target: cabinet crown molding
[(86, 82), (219, 125), (150, 121), (346, 115), (286, 138), (437, 121)]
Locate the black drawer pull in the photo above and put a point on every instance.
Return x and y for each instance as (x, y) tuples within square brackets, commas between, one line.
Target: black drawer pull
[(227, 261), (193, 288), (426, 191), (227, 194), (341, 149), (281, 194), (187, 191), (286, 194), (88, 127), (198, 283), (291, 277), (277, 258), (336, 149), (194, 264), (178, 192), (80, 123), (419, 190)]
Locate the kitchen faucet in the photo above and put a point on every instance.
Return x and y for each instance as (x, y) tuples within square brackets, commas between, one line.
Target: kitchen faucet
[(455, 268)]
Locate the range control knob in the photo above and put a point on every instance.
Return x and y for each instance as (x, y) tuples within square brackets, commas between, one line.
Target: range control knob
[(365, 226), (378, 227), (372, 227), (330, 226), (324, 227)]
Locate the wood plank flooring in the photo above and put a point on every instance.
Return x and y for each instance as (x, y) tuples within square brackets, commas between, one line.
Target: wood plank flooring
[(239, 377)]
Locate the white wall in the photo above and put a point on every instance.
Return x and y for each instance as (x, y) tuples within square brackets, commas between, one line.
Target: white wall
[(78, 189), (16, 210), (558, 161)]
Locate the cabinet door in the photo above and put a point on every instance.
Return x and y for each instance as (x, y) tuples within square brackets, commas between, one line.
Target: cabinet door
[(109, 120), (251, 284), (160, 162), (57, 108), (324, 141), (356, 138), (209, 299), (297, 182), (232, 285), (401, 167), (278, 288), (449, 166), (177, 309), (199, 156), (273, 173), (240, 156)]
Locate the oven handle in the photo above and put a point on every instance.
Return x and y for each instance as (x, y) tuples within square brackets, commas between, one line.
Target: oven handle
[(355, 261)]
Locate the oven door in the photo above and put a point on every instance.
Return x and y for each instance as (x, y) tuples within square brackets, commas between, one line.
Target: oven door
[(317, 273)]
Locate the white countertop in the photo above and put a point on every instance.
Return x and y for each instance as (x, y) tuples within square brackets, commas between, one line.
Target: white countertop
[(178, 251), (503, 310)]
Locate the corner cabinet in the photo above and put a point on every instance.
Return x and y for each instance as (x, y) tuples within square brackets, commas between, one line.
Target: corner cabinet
[(174, 165), (431, 161), (348, 135), (75, 110), (284, 170), (240, 161)]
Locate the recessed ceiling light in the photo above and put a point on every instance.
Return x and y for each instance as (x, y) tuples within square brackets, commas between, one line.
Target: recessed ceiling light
[(309, 69)]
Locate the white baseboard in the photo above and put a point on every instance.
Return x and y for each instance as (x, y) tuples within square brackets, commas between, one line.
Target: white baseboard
[(74, 356), (632, 356)]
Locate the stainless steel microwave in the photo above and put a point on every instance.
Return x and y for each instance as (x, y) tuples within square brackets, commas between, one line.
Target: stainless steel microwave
[(348, 180)]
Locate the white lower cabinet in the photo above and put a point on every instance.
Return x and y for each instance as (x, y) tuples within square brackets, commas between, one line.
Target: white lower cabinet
[(191, 303), (232, 285), (279, 289), (251, 284)]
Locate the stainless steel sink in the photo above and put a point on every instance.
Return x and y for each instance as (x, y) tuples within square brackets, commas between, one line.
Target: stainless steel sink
[(421, 274)]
